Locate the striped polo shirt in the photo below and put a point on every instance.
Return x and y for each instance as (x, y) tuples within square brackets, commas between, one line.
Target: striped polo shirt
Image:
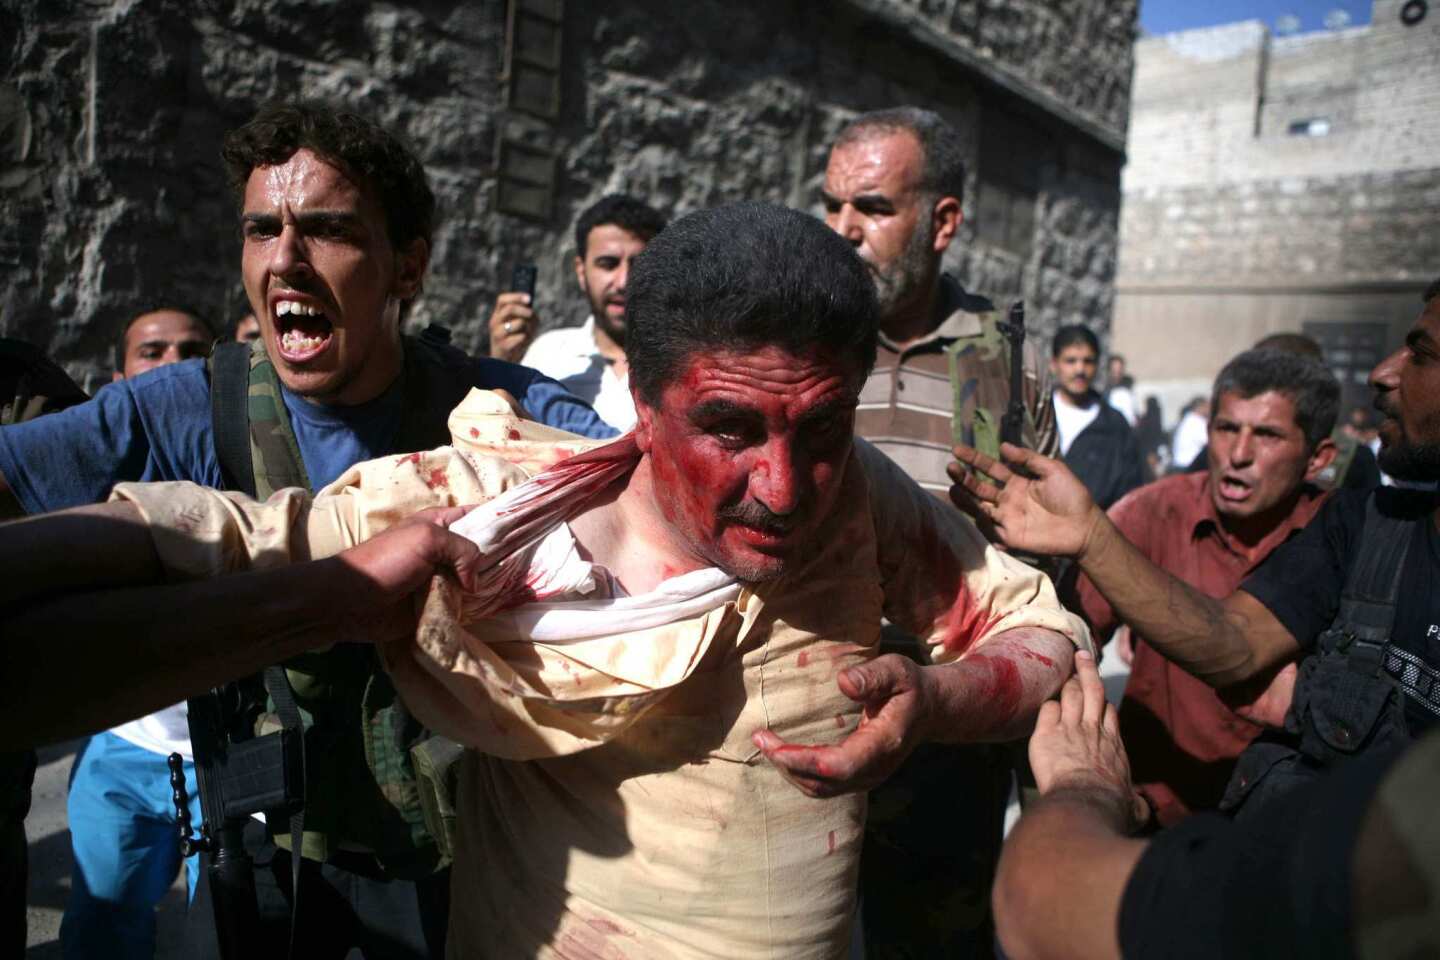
[(907, 403)]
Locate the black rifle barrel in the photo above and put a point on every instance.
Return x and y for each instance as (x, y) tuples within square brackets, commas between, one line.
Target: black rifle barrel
[(1012, 425)]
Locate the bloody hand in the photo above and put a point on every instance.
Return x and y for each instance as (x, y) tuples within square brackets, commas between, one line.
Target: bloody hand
[(896, 698)]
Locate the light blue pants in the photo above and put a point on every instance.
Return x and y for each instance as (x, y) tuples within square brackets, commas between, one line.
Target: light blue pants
[(127, 850)]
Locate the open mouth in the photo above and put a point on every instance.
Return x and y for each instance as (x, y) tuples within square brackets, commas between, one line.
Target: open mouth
[(1233, 488), (302, 330)]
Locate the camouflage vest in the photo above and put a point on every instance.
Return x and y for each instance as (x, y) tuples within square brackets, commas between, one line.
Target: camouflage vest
[(360, 782)]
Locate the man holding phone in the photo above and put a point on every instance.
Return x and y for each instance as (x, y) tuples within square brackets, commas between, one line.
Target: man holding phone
[(588, 359)]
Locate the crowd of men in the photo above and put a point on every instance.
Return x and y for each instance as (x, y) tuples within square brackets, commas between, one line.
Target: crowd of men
[(733, 655)]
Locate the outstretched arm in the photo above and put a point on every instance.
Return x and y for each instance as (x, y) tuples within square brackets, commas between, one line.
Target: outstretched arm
[(121, 652), (1046, 509), (1065, 866), (84, 548)]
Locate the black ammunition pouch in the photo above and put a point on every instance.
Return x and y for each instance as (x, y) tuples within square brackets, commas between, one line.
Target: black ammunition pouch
[(1347, 701)]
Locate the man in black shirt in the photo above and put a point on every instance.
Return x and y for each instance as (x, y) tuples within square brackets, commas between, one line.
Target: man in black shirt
[(1345, 866), (1371, 644), (1095, 439)]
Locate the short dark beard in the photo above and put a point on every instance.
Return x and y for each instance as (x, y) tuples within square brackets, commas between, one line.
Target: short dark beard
[(602, 320), (1411, 461), (898, 283)]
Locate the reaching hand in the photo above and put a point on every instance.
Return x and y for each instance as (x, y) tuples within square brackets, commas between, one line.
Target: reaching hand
[(1076, 744), (1051, 514), (515, 407), (894, 692), (1266, 699), (380, 577), (512, 326)]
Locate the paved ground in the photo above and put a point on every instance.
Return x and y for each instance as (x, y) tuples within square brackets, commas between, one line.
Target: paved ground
[(49, 836)]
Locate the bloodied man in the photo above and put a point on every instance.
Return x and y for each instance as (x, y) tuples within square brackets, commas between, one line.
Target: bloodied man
[(669, 676)]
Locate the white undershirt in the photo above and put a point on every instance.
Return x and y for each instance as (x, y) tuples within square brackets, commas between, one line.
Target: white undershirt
[(1070, 420)]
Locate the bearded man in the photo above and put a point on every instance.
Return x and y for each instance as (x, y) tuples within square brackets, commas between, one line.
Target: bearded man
[(894, 187)]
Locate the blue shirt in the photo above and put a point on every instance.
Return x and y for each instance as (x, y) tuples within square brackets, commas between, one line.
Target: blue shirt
[(156, 426)]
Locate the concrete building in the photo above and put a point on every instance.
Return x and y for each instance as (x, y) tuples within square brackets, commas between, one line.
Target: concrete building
[(111, 114), (1279, 183)]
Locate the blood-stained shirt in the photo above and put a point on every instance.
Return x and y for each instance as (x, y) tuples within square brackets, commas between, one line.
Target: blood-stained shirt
[(614, 804), (1181, 737)]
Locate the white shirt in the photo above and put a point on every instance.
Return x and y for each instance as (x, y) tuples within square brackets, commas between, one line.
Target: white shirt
[(1191, 436), (1123, 400), (571, 356), (1070, 420), (164, 732)]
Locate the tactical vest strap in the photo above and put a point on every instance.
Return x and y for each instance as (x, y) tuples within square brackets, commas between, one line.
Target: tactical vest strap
[(277, 684), (229, 387), (1351, 692), (274, 451), (364, 724), (1367, 605)]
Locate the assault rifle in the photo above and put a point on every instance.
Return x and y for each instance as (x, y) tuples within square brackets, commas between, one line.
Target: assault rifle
[(238, 775), (1012, 424)]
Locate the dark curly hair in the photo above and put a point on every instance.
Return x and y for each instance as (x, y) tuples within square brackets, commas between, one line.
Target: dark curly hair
[(625, 212), (356, 145)]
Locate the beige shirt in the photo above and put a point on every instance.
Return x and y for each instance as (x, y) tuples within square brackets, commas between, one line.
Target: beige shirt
[(619, 808)]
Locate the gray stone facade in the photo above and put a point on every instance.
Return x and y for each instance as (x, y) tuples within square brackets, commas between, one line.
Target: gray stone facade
[(111, 115), (1278, 184)]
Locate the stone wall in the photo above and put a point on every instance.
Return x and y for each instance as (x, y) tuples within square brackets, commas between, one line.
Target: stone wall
[(1237, 225), (111, 115)]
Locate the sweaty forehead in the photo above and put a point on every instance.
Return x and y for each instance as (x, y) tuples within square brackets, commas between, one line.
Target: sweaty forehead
[(305, 181), (879, 163)]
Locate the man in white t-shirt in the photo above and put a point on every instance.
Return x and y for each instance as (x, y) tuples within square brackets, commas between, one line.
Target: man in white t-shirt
[(121, 807), (589, 359), (1095, 440)]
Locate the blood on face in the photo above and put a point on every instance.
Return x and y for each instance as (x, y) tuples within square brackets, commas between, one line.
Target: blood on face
[(746, 451)]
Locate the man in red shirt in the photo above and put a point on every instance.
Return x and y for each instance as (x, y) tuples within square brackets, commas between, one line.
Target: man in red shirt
[(1269, 440)]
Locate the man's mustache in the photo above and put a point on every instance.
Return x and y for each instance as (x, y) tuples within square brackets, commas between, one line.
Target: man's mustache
[(751, 513)]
